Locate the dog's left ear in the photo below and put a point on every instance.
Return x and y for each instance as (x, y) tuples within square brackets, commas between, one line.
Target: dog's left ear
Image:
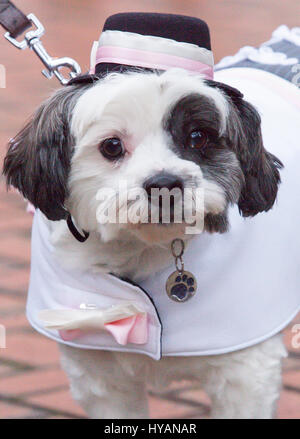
[(38, 159), (260, 168)]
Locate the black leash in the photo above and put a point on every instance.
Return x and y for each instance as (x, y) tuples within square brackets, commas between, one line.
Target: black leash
[(12, 19), (16, 23)]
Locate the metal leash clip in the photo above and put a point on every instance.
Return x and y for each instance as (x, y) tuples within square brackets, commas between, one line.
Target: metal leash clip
[(53, 65)]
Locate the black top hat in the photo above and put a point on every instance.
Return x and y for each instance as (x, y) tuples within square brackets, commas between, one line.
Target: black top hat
[(151, 41)]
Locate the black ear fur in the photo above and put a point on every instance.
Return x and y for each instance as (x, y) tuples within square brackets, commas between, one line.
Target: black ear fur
[(260, 168), (38, 159), (87, 78)]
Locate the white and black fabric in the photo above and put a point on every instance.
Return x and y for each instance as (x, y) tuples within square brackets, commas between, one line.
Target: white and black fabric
[(278, 55)]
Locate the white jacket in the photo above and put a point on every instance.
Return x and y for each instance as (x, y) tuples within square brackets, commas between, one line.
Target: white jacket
[(248, 279)]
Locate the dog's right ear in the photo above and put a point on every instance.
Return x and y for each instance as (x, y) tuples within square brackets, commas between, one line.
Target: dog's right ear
[(38, 159)]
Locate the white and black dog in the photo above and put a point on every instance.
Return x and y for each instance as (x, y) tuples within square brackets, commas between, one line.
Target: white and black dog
[(153, 129)]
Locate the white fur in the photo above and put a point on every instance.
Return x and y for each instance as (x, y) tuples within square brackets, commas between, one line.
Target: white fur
[(243, 384)]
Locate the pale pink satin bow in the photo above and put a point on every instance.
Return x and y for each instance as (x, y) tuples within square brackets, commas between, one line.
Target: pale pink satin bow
[(124, 321), (130, 330), (145, 58)]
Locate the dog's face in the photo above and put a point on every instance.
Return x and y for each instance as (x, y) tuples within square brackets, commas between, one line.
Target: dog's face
[(127, 136), (138, 132)]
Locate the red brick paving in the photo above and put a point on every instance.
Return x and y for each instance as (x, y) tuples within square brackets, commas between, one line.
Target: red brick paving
[(57, 401), (31, 382), (9, 411), (289, 405)]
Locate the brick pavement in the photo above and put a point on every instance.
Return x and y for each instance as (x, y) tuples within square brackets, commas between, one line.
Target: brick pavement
[(31, 382)]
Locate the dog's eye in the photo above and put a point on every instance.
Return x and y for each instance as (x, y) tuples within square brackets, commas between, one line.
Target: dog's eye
[(112, 149), (197, 139)]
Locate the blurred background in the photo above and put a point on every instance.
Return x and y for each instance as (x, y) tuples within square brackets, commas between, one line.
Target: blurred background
[(31, 382)]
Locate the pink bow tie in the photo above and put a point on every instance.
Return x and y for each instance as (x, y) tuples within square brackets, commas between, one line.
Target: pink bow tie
[(126, 322), (129, 330)]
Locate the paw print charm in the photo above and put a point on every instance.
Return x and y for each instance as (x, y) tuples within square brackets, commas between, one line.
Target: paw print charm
[(181, 286)]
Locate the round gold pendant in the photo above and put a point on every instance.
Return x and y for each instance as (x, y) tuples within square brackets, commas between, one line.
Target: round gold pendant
[(181, 286)]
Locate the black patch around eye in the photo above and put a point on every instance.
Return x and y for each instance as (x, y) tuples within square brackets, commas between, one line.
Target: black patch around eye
[(216, 157), (191, 113)]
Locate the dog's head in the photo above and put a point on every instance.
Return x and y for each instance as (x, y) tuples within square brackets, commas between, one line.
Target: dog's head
[(132, 133)]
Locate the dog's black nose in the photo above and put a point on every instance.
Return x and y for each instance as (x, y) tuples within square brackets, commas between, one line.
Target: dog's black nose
[(161, 181)]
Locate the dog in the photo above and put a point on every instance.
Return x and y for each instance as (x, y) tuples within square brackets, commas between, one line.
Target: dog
[(154, 130)]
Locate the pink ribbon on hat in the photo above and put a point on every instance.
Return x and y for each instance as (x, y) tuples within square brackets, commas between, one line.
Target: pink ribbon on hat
[(129, 330), (148, 59)]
